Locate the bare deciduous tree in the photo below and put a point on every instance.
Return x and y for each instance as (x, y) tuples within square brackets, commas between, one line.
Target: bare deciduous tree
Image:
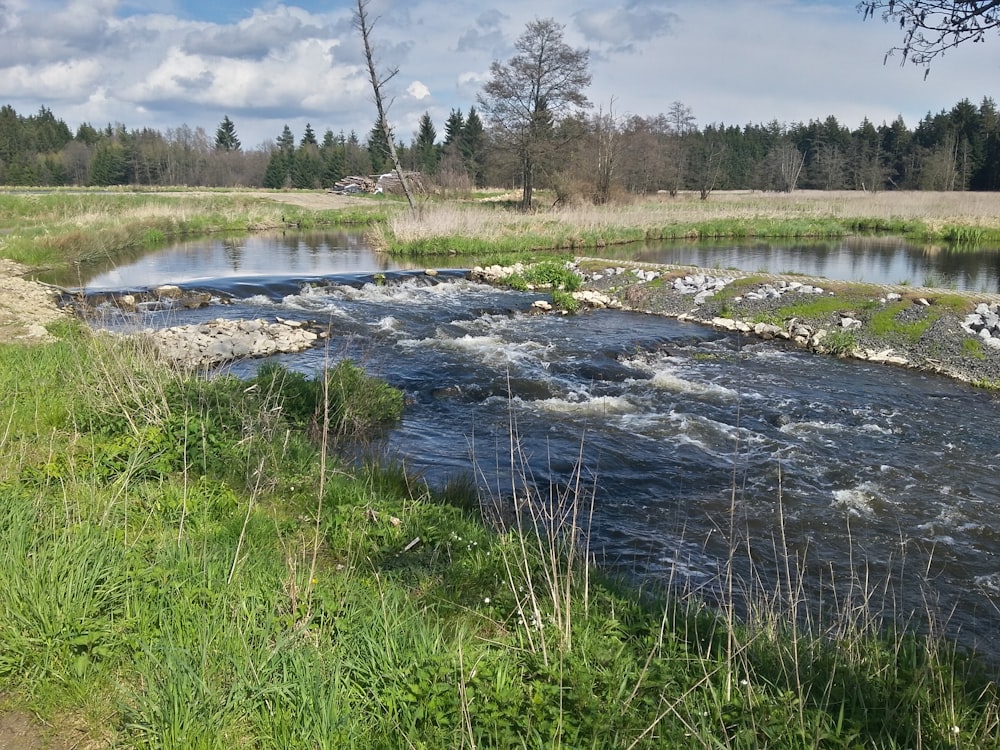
[(786, 163), (528, 95), (609, 144), (681, 123), (932, 27), (364, 25)]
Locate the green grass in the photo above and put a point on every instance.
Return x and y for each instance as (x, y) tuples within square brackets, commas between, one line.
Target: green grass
[(235, 586), (973, 347), (886, 322), (839, 342)]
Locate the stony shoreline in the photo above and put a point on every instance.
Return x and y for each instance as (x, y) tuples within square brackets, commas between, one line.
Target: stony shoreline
[(940, 331)]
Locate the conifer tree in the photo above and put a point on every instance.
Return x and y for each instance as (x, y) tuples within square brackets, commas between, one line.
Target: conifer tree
[(425, 148), (453, 127), (473, 146), (225, 136), (279, 168)]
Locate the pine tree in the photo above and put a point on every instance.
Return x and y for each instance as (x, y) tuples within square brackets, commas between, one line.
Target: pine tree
[(378, 150), (109, 166), (356, 157), (426, 150), (333, 154), (473, 146), (307, 165), (309, 137), (279, 169), (453, 127), (87, 133), (286, 141), (225, 136)]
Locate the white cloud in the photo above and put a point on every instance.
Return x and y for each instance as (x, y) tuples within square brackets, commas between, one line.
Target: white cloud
[(50, 82), (418, 91), (254, 37)]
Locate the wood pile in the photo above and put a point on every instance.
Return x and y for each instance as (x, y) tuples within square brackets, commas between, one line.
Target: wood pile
[(354, 184), (379, 183)]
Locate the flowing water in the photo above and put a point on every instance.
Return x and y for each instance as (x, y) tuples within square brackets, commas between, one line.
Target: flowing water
[(694, 442)]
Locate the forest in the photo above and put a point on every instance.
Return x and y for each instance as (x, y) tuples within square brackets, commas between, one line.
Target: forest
[(593, 156)]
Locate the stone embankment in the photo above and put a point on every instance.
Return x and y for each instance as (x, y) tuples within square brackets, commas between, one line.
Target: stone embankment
[(199, 346), (204, 345), (941, 331), (935, 330)]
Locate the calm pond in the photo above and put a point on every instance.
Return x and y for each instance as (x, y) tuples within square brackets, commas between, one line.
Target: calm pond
[(884, 483)]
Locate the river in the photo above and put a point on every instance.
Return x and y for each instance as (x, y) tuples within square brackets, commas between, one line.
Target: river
[(699, 447)]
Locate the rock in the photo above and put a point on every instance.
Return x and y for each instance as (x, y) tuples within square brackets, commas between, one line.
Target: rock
[(541, 305), (885, 356), (431, 272), (724, 324), (167, 291), (596, 299), (767, 331)]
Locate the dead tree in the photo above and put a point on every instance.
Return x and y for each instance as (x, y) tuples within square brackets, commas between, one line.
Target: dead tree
[(363, 25)]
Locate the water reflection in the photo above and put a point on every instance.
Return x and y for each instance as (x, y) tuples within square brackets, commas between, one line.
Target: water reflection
[(877, 260), (271, 255)]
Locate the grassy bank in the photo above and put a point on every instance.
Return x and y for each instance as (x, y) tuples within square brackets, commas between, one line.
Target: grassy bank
[(486, 227), (183, 566), (61, 229)]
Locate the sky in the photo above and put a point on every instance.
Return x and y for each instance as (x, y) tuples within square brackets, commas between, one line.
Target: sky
[(164, 64)]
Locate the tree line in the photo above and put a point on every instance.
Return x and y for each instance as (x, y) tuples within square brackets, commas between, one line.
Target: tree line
[(538, 130), (599, 154)]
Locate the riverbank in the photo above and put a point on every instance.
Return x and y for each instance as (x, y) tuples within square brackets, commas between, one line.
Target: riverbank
[(483, 227)]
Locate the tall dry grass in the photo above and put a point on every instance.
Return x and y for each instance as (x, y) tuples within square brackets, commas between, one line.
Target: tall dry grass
[(487, 222)]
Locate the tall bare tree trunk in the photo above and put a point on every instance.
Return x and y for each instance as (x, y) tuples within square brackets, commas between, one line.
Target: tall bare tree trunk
[(362, 24)]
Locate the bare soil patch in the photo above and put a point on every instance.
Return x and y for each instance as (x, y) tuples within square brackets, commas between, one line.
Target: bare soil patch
[(26, 307), (19, 730)]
